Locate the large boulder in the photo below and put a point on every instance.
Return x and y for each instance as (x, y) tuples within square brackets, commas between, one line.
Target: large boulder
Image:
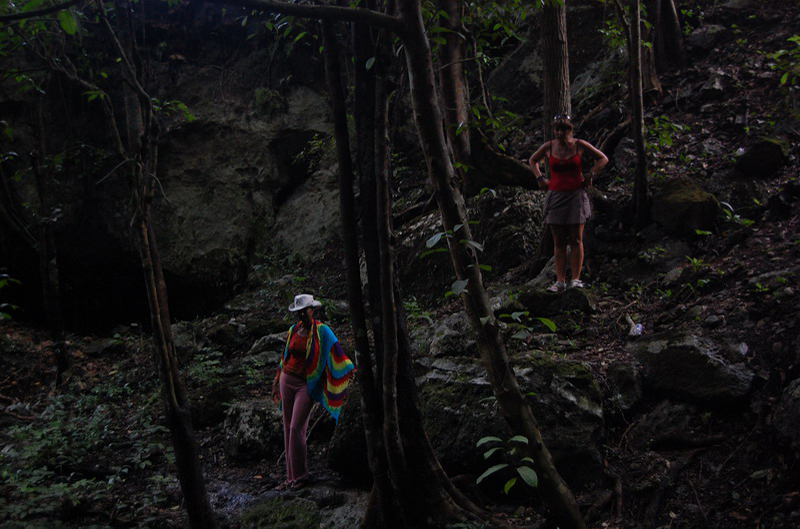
[(506, 224), (786, 419), (682, 207), (688, 367), (761, 160), (253, 430), (459, 408)]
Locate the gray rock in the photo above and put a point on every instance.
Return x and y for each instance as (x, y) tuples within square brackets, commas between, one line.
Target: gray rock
[(625, 383), (761, 160), (459, 408), (253, 430), (786, 419), (453, 337), (705, 38), (541, 303), (687, 367)]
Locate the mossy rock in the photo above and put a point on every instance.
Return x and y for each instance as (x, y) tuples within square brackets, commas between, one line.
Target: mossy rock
[(280, 513), (682, 208)]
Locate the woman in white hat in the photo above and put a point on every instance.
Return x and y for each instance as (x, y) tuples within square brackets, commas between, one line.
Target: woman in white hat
[(313, 368)]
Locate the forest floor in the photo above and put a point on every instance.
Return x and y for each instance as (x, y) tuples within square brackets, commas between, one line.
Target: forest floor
[(727, 469)]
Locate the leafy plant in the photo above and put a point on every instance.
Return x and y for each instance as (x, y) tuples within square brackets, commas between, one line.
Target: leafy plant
[(524, 330), (787, 62), (511, 454), (661, 133), (6, 280), (697, 263), (730, 216), (415, 311)]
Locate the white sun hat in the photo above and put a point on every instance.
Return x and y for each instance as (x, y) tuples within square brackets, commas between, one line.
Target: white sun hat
[(303, 301)]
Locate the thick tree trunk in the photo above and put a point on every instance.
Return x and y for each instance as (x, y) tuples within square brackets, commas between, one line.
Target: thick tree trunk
[(393, 503), (370, 399), (490, 345), (667, 35), (556, 96)]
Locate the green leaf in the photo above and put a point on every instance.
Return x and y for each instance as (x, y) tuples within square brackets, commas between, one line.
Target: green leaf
[(529, 476), (489, 453), (430, 243), (509, 484), (488, 439), (300, 36), (485, 320), (435, 250), (485, 268), (30, 6), (370, 63), (459, 286), (68, 22), (478, 246), (519, 439), (550, 324), (491, 470), (785, 78), (521, 335)]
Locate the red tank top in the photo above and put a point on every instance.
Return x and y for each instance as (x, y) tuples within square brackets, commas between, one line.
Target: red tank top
[(296, 363), (567, 174)]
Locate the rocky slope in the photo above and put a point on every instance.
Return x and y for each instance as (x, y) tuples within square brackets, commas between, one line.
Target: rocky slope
[(692, 423)]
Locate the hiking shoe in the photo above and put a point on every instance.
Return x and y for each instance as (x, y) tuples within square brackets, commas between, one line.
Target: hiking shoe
[(576, 283), (558, 286)]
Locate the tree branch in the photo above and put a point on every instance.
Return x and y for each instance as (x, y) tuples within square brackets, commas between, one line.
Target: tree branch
[(39, 12), (358, 14)]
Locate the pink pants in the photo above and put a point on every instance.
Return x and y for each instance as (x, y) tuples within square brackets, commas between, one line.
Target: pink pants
[(296, 414)]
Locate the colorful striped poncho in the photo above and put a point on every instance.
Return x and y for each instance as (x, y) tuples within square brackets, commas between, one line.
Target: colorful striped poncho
[(328, 369)]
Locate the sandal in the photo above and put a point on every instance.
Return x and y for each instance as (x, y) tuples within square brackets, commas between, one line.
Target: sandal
[(299, 484), (284, 486)]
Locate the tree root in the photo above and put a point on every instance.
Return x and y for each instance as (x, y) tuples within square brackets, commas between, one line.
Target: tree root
[(652, 509)]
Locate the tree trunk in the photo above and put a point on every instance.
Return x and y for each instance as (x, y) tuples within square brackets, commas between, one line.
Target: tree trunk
[(556, 98), (555, 66), (142, 153), (453, 87), (640, 191), (667, 35), (490, 345)]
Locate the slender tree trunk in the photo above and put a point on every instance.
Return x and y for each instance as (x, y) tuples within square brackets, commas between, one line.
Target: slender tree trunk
[(490, 345), (453, 83), (142, 153), (640, 188), (370, 406)]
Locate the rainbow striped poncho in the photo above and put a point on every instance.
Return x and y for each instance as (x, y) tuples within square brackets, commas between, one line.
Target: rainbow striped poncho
[(328, 369)]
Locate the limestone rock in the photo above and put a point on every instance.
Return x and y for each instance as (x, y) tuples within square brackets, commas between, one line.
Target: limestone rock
[(253, 430), (688, 367)]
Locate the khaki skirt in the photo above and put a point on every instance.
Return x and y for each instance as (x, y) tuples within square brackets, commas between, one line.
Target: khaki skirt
[(567, 207)]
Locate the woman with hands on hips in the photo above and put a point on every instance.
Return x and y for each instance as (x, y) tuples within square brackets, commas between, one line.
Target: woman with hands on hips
[(567, 206)]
